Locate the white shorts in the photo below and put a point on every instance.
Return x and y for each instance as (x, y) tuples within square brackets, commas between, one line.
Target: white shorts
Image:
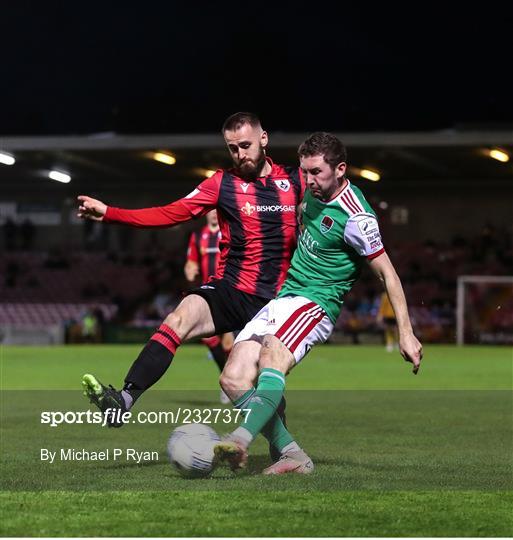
[(296, 321)]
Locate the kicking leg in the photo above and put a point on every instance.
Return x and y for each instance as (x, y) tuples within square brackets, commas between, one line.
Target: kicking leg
[(190, 319), (275, 360), (264, 400), (238, 381)]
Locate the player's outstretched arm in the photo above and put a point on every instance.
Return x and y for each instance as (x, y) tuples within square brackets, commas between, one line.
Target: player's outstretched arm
[(89, 208), (409, 345), (200, 201)]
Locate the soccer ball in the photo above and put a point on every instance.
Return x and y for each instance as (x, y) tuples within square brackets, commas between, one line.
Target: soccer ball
[(191, 450)]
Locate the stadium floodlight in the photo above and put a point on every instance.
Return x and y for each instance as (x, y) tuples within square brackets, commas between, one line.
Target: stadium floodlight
[(167, 159), (7, 159), (373, 176), (204, 173), (499, 155), (59, 177)]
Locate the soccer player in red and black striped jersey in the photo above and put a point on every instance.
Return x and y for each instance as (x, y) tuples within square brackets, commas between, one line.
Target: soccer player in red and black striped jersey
[(202, 260), (203, 251), (256, 204)]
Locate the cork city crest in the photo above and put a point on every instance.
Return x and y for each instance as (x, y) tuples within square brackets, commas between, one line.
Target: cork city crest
[(326, 224)]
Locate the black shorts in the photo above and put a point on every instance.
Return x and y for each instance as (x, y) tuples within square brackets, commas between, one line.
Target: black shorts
[(231, 309), (389, 321)]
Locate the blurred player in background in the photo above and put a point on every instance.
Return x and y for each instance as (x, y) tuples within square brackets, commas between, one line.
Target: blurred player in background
[(202, 260), (386, 319), (339, 233)]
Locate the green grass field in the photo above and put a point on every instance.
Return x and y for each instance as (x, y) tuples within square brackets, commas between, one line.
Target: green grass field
[(395, 454)]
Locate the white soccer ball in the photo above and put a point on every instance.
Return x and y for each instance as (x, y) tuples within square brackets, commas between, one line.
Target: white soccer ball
[(191, 449)]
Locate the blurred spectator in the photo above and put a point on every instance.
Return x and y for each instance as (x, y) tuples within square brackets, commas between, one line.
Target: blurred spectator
[(386, 320), (28, 232), (126, 238), (10, 234), (95, 236), (88, 329), (353, 327), (12, 273)]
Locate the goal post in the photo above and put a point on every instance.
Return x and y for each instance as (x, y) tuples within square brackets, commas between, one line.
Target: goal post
[(499, 297)]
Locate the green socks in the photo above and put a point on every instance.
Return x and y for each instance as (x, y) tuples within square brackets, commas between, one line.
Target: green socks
[(260, 413)]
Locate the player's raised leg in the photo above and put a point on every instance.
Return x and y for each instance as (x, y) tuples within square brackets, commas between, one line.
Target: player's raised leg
[(190, 319), (260, 403), (238, 381)]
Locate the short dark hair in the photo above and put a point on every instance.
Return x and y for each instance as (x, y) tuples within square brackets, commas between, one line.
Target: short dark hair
[(326, 144), (237, 120)]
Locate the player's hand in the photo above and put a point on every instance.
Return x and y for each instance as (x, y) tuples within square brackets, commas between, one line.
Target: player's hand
[(89, 208), (191, 271), (411, 350)]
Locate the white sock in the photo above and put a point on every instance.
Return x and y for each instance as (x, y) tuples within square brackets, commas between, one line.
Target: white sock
[(243, 434), (128, 399), (291, 447)]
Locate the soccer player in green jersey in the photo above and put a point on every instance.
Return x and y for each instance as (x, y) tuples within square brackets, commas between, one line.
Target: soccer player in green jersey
[(339, 233)]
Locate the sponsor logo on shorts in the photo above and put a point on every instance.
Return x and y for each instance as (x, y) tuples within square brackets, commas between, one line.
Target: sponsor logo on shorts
[(207, 287), (326, 224)]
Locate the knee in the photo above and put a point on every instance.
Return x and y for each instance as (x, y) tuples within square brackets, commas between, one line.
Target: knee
[(174, 321), (227, 381), (275, 355), (232, 382), (266, 358)]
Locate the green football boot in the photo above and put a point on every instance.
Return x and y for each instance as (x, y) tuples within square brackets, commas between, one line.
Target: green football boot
[(106, 398)]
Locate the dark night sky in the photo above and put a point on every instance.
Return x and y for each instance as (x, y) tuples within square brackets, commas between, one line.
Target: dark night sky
[(77, 67)]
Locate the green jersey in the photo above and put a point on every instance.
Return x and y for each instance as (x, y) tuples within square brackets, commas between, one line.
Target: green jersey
[(335, 239)]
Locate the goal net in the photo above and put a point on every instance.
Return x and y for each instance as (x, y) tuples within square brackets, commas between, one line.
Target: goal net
[(484, 310)]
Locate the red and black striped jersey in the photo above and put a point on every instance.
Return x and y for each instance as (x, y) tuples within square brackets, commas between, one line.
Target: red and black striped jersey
[(204, 250), (257, 220)]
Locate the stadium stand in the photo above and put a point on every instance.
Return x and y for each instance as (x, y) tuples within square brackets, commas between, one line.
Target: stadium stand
[(139, 288)]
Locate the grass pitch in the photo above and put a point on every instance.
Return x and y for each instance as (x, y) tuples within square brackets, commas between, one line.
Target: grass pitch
[(395, 454)]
